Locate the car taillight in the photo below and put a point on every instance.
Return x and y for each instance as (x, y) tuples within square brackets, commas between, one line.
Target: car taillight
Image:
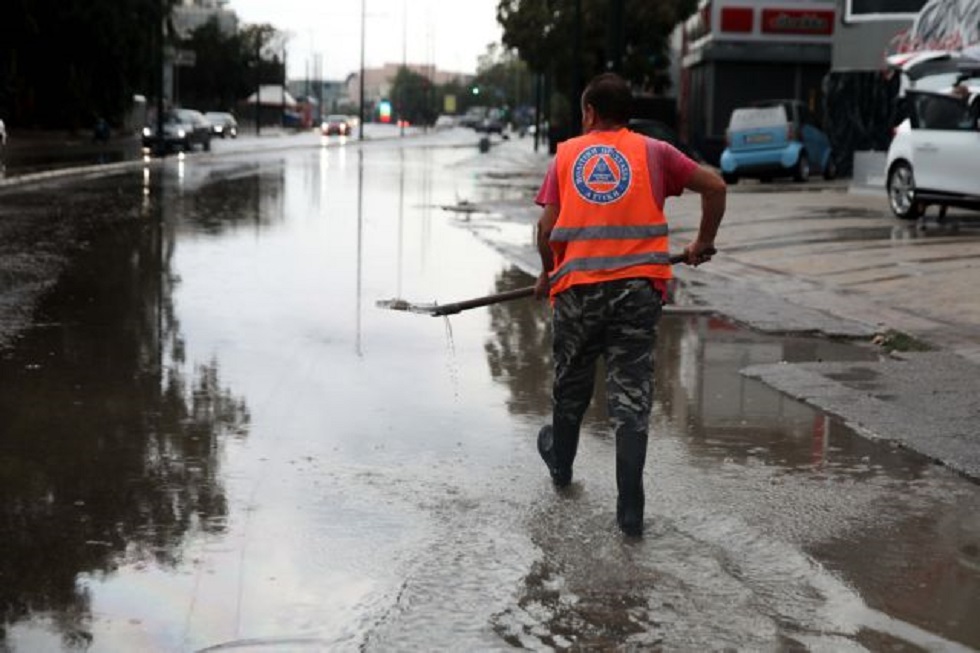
[(791, 133)]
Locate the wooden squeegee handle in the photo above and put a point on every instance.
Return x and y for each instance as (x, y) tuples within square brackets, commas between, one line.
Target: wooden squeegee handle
[(519, 293)]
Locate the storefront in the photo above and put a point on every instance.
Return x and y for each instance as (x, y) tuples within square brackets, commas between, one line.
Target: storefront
[(734, 52)]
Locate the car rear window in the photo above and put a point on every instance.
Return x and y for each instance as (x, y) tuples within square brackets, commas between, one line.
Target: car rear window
[(942, 112), (749, 118)]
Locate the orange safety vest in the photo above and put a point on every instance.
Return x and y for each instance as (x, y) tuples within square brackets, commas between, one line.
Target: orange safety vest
[(609, 226)]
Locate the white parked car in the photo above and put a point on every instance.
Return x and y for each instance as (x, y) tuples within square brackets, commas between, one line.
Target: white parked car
[(932, 159), (445, 121), (934, 156)]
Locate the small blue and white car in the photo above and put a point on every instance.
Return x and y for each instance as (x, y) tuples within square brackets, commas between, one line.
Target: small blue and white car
[(776, 138)]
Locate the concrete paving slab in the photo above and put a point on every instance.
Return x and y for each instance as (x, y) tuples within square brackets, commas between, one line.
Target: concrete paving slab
[(923, 401)]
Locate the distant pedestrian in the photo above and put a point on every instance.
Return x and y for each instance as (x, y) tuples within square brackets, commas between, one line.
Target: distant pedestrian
[(100, 132), (603, 241)]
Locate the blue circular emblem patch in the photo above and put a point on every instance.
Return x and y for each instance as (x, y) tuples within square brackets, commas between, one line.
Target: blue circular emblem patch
[(601, 174)]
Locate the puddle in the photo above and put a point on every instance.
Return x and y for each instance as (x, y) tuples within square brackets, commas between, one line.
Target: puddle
[(758, 463)]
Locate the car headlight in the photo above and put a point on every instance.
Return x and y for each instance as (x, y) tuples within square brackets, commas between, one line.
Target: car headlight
[(181, 133), (147, 131)]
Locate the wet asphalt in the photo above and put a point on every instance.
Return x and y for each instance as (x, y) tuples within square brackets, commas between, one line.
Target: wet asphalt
[(213, 438)]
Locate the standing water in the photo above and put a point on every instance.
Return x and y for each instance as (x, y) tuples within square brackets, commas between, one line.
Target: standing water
[(206, 444)]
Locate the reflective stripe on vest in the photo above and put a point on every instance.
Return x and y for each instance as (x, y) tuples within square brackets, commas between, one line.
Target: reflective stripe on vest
[(621, 232), (610, 263), (609, 225)]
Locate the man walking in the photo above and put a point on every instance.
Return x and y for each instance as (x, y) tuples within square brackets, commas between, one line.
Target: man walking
[(603, 242)]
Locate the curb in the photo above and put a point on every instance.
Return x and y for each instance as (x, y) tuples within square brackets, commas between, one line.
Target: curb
[(95, 169), (99, 169)]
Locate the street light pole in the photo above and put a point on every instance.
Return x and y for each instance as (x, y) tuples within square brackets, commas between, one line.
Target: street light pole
[(577, 70), (258, 84), (282, 96), (360, 123), (616, 36), (162, 35), (401, 90)]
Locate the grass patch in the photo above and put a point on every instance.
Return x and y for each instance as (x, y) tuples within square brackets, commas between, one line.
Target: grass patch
[(892, 340)]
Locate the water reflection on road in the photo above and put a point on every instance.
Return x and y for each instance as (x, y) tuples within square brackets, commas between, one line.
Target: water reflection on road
[(216, 439)]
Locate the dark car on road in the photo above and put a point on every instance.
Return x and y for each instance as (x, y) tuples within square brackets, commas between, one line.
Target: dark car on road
[(223, 124), (336, 125), (492, 123), (183, 129)]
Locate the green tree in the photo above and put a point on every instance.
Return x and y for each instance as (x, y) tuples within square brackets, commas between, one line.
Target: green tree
[(64, 63), (229, 67), (457, 89), (413, 97), (543, 33), (503, 79)]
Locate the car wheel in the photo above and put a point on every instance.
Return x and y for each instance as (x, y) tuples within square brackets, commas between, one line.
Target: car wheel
[(207, 145), (901, 192), (729, 178), (802, 170)]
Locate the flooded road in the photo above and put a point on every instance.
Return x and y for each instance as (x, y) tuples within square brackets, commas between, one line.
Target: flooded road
[(213, 439)]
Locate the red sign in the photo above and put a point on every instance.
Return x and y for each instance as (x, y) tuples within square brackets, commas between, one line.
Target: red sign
[(737, 19), (813, 22)]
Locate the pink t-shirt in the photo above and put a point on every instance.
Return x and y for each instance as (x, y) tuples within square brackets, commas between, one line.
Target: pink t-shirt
[(669, 172)]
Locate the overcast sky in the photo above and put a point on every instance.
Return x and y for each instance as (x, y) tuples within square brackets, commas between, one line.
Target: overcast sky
[(452, 33)]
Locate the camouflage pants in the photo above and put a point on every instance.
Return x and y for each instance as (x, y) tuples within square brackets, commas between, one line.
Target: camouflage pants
[(616, 320)]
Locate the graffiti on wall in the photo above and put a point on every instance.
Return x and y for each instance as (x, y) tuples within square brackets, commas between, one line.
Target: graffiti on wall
[(940, 25)]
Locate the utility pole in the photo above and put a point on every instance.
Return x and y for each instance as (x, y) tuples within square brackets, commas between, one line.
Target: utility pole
[(162, 35), (538, 108), (577, 72), (360, 123), (616, 35), (258, 84), (282, 95), (401, 90)]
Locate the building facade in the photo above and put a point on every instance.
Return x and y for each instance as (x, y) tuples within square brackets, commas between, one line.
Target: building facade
[(734, 52), (860, 89), (378, 81), (328, 96)]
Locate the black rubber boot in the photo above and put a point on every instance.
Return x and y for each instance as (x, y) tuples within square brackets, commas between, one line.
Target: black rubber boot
[(560, 476), (629, 516), (630, 458)]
